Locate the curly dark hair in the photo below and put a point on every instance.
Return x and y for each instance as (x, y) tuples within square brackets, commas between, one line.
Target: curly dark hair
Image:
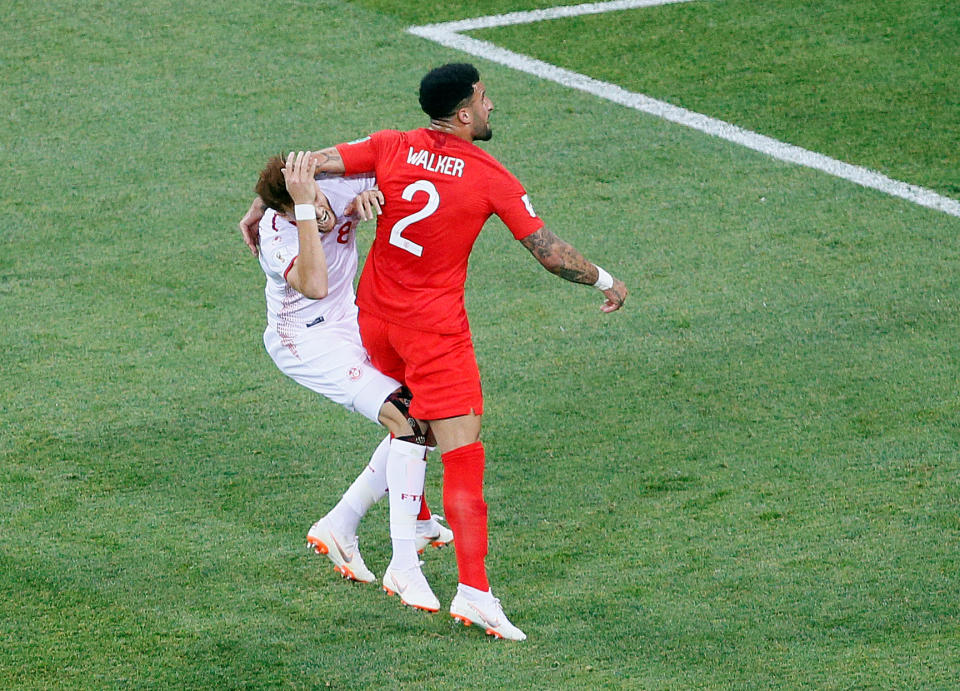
[(444, 89)]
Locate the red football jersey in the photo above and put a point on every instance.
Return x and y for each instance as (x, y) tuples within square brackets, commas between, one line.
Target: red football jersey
[(439, 191)]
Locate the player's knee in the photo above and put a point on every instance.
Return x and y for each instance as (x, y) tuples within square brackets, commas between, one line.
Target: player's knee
[(393, 419), (395, 416)]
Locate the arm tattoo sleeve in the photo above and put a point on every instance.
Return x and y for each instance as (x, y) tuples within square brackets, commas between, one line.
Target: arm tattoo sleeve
[(329, 161), (559, 257)]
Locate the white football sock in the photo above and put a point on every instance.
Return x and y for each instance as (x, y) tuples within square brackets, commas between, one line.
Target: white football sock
[(471, 593), (374, 476), (405, 472), (369, 488)]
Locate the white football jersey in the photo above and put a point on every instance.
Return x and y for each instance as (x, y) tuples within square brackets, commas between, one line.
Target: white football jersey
[(289, 312)]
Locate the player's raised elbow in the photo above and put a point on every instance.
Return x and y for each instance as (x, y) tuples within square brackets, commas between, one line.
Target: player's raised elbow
[(308, 280), (312, 284), (315, 290)]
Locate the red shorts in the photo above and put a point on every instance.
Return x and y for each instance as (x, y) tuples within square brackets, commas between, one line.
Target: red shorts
[(440, 369)]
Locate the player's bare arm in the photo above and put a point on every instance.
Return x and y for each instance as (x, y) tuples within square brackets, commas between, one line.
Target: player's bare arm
[(564, 260), (249, 225), (329, 161), (308, 276)]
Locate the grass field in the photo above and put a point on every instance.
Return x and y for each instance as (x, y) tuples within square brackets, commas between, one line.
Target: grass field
[(749, 478)]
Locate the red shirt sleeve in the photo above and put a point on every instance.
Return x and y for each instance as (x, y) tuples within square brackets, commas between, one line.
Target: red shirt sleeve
[(361, 155), (512, 204)]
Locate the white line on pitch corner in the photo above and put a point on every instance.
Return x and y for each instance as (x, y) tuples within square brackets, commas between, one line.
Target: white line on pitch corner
[(448, 34)]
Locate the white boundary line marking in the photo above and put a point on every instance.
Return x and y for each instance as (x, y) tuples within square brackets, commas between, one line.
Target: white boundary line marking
[(448, 34)]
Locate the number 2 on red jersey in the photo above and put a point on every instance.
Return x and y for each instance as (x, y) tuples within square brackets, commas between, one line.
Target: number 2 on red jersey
[(433, 203)]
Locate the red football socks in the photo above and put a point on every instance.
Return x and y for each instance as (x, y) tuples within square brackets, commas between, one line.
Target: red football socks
[(466, 511), (424, 514)]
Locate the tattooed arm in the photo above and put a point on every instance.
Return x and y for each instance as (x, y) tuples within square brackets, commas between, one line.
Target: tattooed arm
[(329, 161), (564, 260)]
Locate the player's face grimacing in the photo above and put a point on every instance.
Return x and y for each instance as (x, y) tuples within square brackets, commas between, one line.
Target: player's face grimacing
[(326, 219), (480, 108)]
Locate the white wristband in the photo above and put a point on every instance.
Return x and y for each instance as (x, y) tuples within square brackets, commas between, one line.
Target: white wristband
[(305, 212), (604, 280)]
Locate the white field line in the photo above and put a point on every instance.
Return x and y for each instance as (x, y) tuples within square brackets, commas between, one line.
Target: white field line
[(448, 34)]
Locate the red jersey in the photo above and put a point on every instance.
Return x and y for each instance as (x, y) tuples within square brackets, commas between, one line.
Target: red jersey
[(439, 191)]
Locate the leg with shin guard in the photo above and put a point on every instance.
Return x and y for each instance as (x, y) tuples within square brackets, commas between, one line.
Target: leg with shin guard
[(405, 473)]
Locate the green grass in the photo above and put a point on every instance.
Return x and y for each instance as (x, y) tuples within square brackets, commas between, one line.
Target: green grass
[(867, 83), (749, 478)]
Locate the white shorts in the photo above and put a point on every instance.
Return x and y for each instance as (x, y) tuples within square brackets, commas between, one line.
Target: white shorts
[(331, 360)]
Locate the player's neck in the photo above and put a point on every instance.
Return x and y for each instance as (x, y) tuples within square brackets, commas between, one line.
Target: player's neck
[(446, 127)]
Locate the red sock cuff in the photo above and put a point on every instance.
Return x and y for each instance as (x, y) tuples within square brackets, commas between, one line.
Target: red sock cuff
[(468, 458)]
